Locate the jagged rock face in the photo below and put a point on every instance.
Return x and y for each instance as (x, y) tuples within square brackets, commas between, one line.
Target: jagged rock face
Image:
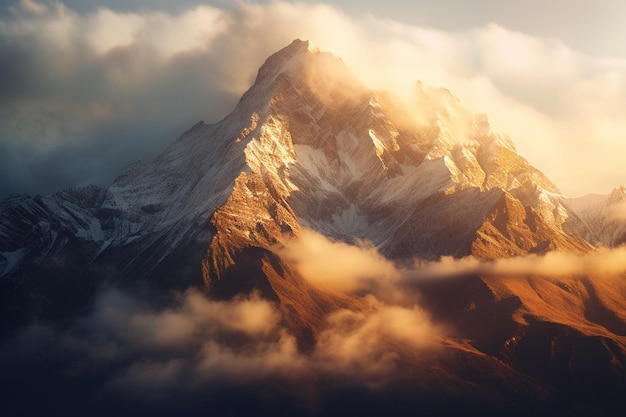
[(568, 332), (510, 229), (306, 146), (39, 227), (600, 219), (333, 156)]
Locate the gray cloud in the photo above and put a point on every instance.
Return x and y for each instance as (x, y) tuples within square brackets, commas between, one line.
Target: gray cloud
[(77, 106), (130, 353), (82, 95)]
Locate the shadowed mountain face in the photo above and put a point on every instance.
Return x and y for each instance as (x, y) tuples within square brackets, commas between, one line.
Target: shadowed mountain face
[(310, 149)]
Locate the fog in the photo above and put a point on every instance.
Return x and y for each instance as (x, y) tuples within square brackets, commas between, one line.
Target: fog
[(127, 353)]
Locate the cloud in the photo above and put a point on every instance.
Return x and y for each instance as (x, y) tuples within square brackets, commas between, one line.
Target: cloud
[(190, 352), (360, 344), (607, 262), (85, 94), (129, 350), (337, 265), (360, 269), (243, 340), (191, 318)]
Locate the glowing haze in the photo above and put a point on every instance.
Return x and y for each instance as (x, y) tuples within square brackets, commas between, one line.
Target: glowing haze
[(83, 93)]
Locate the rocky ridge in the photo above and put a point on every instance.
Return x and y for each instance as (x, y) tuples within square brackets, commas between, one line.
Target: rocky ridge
[(308, 146)]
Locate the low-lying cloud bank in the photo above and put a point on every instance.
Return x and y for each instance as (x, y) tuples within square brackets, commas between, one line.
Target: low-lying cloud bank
[(129, 355), (128, 352), (338, 265), (360, 268), (82, 95), (602, 262)]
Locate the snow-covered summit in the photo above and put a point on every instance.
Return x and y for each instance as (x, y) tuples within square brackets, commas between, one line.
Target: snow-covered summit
[(308, 145), (282, 59)]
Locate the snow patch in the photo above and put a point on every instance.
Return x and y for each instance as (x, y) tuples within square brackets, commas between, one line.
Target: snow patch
[(378, 144)]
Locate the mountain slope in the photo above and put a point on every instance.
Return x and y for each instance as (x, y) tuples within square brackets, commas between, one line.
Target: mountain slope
[(339, 158), (308, 147), (600, 219)]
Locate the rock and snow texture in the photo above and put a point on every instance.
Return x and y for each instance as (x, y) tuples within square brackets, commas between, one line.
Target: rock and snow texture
[(309, 146), (422, 181), (35, 229), (602, 218)]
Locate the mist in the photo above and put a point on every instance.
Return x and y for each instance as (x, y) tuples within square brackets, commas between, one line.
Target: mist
[(130, 354), (191, 353)]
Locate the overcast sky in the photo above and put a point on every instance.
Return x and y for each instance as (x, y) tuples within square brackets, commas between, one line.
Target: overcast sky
[(87, 87)]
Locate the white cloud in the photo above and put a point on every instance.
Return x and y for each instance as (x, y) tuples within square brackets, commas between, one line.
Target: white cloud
[(337, 265), (192, 319), (362, 344), (602, 262), (563, 109), (195, 341), (165, 34)]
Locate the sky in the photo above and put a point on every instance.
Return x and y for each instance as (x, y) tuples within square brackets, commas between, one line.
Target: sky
[(87, 87)]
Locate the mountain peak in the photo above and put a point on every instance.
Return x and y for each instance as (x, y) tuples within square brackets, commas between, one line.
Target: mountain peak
[(279, 60), (617, 194), (302, 45), (313, 166)]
